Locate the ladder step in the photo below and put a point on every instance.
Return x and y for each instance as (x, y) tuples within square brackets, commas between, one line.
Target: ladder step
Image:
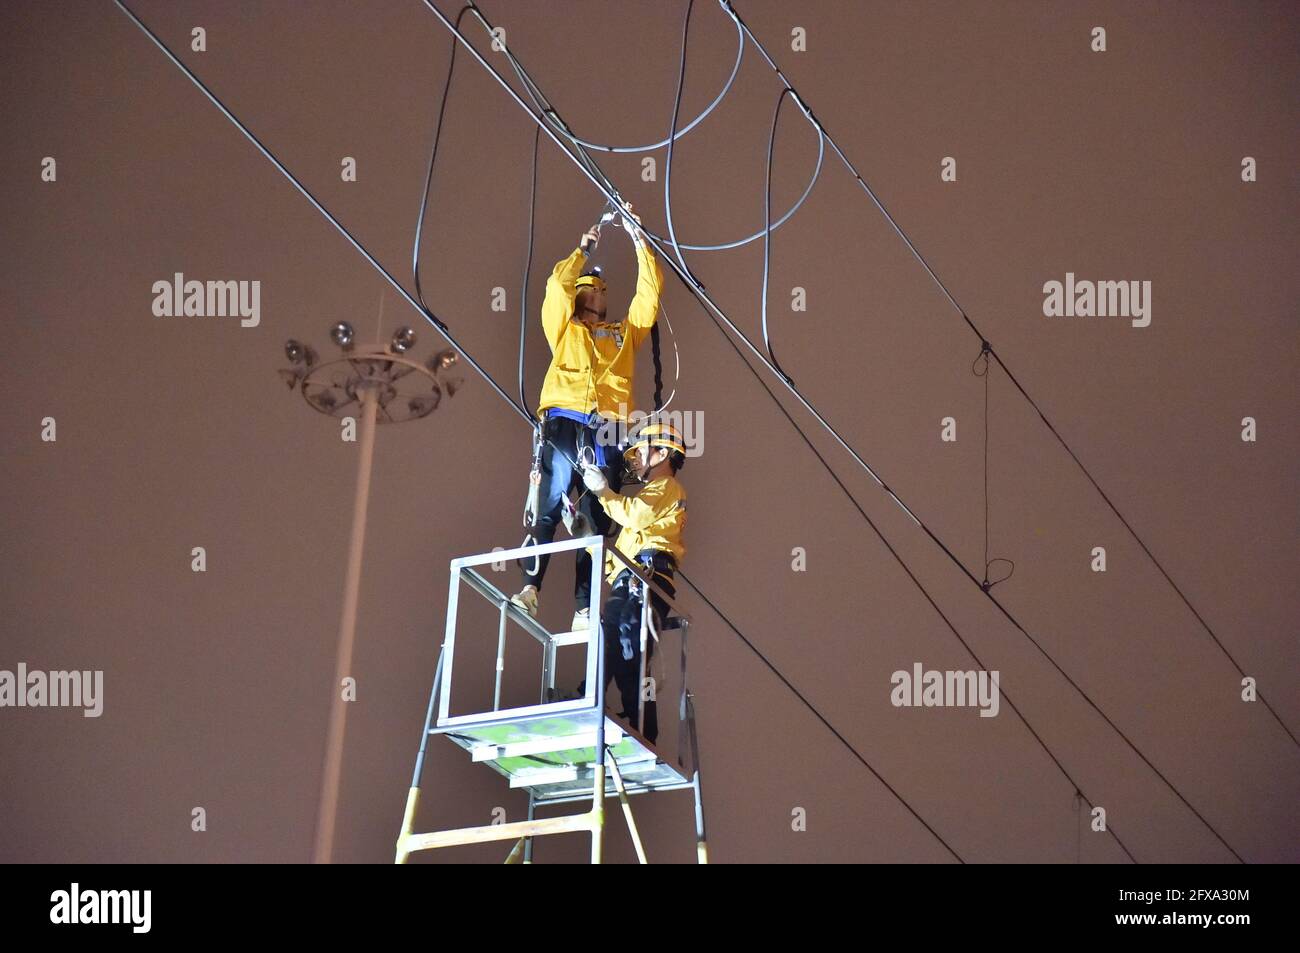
[(584, 739)]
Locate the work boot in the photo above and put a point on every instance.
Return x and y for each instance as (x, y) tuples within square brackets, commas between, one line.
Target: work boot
[(526, 599), (581, 620)]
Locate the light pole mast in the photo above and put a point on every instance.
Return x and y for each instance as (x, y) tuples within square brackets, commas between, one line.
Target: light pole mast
[(388, 387)]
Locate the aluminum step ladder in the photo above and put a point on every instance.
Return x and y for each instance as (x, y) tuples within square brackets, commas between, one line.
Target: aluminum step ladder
[(559, 750)]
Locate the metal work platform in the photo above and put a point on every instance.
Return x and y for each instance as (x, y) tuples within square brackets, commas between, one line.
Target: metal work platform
[(557, 751), (553, 757)]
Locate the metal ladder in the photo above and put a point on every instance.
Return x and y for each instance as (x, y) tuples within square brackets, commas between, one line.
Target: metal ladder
[(559, 749)]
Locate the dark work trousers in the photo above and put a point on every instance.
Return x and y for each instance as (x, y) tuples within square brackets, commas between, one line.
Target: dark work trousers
[(621, 623), (559, 477)]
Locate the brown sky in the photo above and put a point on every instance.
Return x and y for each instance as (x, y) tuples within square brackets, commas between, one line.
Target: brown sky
[(177, 432)]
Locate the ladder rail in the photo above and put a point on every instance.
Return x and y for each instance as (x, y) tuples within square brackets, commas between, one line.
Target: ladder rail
[(464, 569), (413, 793)]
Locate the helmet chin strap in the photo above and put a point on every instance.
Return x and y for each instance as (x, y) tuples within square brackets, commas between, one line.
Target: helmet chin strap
[(641, 478), (633, 476)]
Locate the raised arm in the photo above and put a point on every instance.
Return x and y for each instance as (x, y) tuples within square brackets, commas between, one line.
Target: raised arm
[(557, 306), (644, 309)]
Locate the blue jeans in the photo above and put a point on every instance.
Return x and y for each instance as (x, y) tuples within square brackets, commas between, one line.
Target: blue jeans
[(558, 478)]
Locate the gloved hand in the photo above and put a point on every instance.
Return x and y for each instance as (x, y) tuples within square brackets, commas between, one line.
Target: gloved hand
[(631, 229), (594, 479), (575, 521)]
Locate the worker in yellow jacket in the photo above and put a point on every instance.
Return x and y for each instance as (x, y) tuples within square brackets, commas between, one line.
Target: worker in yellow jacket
[(588, 384), (653, 523)]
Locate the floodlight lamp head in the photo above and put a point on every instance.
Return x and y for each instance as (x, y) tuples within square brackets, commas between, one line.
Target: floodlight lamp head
[(403, 340), (342, 335)]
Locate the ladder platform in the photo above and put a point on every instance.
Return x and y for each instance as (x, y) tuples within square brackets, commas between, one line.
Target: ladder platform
[(552, 755)]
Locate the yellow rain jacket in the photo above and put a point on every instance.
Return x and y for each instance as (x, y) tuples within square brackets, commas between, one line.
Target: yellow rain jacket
[(593, 369), (653, 519)]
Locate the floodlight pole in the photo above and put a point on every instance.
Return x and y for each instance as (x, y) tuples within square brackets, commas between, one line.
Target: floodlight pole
[(329, 786), (378, 378)]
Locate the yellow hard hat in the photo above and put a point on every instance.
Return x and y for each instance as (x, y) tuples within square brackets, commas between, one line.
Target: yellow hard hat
[(591, 280), (657, 435)]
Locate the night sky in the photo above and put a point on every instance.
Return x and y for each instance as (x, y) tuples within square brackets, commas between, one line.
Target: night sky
[(177, 432)]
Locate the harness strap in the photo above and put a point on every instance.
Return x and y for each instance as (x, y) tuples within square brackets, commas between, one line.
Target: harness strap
[(589, 422)]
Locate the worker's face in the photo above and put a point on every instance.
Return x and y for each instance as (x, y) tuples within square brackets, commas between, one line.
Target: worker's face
[(589, 307), (647, 458)]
